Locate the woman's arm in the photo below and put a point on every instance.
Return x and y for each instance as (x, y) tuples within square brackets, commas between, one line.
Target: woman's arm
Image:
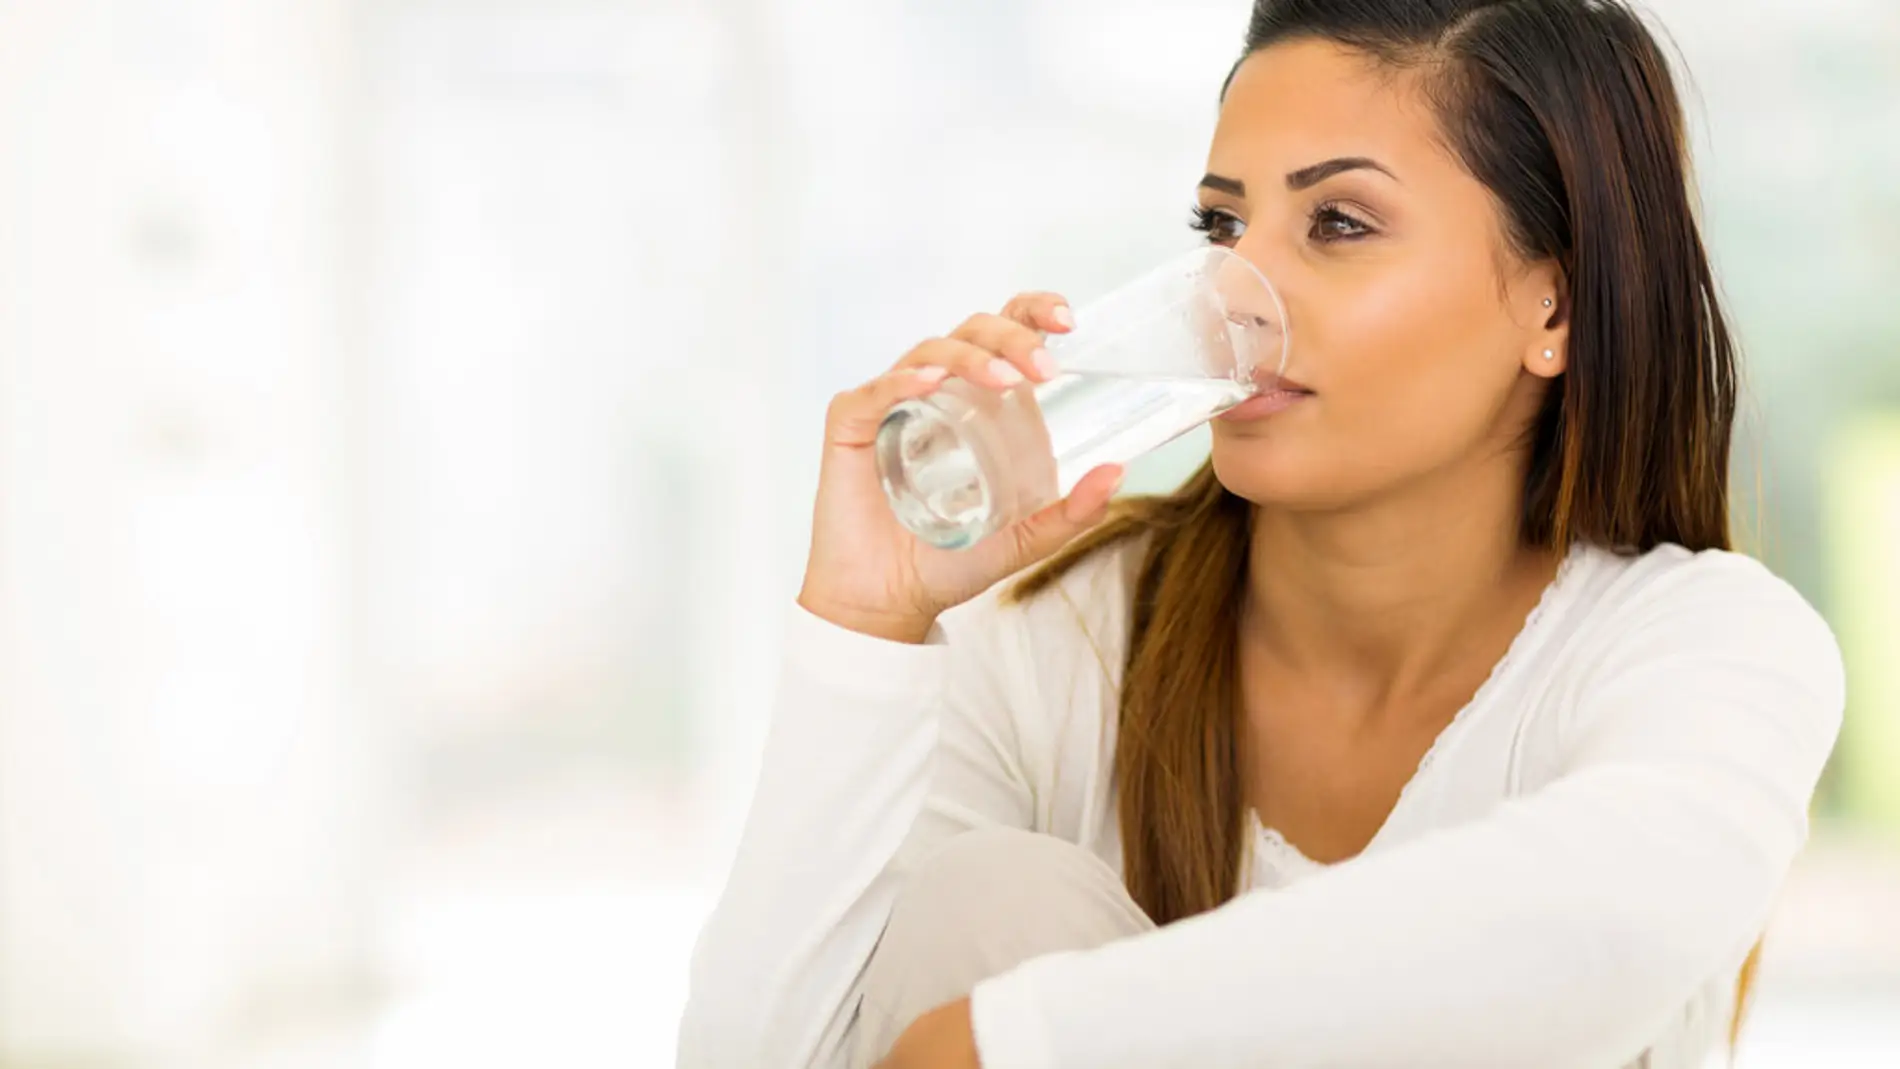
[(1565, 929), (877, 752)]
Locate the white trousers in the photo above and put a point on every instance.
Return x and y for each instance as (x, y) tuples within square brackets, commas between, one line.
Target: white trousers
[(986, 902)]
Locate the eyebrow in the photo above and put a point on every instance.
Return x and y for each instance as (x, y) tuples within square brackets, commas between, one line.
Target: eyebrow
[(1305, 177), (1223, 185)]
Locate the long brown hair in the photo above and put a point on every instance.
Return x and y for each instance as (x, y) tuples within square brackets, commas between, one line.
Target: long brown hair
[(1567, 112)]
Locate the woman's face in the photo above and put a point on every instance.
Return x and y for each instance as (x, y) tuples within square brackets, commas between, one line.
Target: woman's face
[(1419, 333)]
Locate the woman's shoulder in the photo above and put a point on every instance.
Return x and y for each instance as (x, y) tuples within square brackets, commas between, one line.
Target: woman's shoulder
[(1090, 598), (1658, 644), (1083, 612), (1671, 586), (1043, 671), (1672, 610)]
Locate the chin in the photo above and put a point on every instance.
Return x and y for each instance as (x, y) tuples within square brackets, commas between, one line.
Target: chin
[(1265, 472), (1288, 471)]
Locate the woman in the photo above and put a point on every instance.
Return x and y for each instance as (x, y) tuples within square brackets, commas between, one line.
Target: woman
[(1432, 723)]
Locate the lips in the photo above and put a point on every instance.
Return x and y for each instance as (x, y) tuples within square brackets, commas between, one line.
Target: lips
[(1274, 393), (1269, 381)]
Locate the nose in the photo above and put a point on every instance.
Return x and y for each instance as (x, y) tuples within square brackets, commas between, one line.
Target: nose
[(1255, 314)]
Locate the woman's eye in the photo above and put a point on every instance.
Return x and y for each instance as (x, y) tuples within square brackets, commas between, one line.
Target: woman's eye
[(1332, 224), (1220, 227)]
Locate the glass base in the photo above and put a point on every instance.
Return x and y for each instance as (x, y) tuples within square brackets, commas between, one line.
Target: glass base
[(935, 474)]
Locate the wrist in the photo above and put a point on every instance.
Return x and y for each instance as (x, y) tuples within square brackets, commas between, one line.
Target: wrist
[(909, 628)]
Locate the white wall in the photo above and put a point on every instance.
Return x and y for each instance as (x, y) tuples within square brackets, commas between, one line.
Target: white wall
[(183, 778)]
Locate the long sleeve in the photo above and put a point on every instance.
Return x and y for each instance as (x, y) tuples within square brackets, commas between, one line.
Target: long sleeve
[(1562, 929), (877, 751)]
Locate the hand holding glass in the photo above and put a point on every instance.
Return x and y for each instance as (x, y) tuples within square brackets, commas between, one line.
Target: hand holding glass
[(1145, 364)]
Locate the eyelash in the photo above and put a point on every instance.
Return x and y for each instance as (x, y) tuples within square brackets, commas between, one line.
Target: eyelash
[(1207, 220)]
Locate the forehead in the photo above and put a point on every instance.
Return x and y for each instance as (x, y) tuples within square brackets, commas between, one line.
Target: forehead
[(1298, 102)]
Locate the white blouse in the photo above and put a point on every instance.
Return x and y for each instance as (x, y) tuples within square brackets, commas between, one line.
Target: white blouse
[(1573, 876)]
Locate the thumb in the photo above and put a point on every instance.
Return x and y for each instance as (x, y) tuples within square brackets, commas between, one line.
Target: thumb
[(1042, 534)]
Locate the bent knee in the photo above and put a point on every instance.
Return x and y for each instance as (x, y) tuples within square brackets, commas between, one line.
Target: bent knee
[(995, 880), (983, 903)]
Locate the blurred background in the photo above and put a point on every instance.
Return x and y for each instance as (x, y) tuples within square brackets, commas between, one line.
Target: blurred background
[(407, 426)]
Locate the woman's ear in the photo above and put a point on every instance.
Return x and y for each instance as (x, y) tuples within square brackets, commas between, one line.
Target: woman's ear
[(1548, 294)]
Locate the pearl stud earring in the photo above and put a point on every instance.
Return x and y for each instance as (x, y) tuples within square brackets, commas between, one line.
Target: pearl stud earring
[(1548, 302), (1550, 354)]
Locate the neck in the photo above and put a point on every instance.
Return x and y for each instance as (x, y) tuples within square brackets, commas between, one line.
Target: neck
[(1387, 595)]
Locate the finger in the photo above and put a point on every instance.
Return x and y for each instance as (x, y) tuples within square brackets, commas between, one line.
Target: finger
[(1021, 345), (1056, 526), (1089, 500), (1043, 311), (965, 360), (855, 415)]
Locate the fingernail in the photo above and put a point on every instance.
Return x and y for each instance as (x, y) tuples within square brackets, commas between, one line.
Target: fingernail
[(1005, 372), (1064, 316), (1117, 484), (1044, 363), (933, 373)]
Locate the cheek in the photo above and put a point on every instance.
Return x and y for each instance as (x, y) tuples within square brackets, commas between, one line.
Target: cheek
[(1427, 357), (1418, 338), (1414, 366)]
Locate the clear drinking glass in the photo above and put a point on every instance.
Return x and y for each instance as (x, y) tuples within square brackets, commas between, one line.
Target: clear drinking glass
[(1144, 364)]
